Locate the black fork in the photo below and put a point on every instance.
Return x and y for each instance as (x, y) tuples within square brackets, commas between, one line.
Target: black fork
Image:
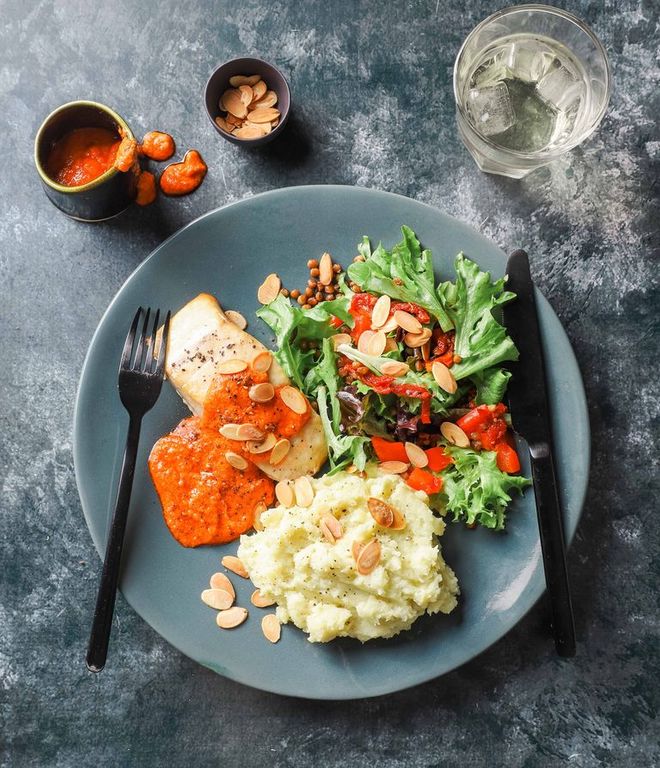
[(141, 374)]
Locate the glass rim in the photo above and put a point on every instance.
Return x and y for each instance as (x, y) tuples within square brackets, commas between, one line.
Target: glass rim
[(552, 11)]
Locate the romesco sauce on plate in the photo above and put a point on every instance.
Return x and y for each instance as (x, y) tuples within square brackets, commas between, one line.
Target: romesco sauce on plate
[(205, 499), (82, 155)]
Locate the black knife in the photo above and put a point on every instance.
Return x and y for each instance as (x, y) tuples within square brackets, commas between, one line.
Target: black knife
[(530, 416)]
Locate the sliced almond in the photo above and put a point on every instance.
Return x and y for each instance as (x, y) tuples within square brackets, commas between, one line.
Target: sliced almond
[(279, 451), (444, 377), (363, 341), (331, 528), (326, 532), (262, 392), (264, 115), (259, 89), (356, 548), (376, 344), (222, 123), (236, 460), (294, 399), (237, 80), (247, 132), (233, 120), (399, 522), (262, 362), (285, 494), (230, 431), (274, 123), (369, 557), (219, 599), (258, 511), (269, 290), (304, 491), (389, 326), (231, 618), (236, 318), (220, 581), (415, 340), (426, 351), (416, 455), (264, 128), (245, 94), (381, 311), (393, 467), (231, 102), (235, 565), (249, 432), (454, 434), (269, 99), (326, 272), (340, 338), (263, 446), (407, 321), (381, 511), (394, 368), (258, 600), (271, 627), (232, 366)]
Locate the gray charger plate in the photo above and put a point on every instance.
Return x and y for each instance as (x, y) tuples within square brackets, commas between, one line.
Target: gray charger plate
[(227, 253)]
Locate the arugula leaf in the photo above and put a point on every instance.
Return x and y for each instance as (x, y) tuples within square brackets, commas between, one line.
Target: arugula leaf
[(476, 490), (480, 340), (405, 273)]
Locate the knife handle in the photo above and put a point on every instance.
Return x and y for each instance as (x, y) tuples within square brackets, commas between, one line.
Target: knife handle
[(551, 530)]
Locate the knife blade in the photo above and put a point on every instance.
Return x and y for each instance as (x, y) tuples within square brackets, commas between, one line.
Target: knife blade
[(530, 416)]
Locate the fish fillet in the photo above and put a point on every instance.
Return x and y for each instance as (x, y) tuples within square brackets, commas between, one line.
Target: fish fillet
[(201, 337)]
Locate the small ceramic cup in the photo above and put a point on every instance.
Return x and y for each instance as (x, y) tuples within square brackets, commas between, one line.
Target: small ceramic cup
[(100, 199), (218, 83)]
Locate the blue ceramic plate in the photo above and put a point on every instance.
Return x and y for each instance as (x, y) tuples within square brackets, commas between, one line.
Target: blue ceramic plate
[(228, 252)]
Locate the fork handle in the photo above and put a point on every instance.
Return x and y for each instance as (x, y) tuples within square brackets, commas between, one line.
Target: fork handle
[(105, 601)]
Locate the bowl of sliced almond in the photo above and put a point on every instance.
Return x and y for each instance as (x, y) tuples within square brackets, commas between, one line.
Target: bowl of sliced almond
[(248, 101)]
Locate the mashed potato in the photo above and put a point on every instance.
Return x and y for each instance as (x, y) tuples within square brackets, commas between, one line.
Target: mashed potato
[(316, 583)]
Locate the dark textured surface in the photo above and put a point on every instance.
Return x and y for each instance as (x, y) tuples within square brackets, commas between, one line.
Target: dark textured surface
[(373, 106)]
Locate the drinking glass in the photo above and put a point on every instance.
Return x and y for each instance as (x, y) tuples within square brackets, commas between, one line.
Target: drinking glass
[(530, 82)]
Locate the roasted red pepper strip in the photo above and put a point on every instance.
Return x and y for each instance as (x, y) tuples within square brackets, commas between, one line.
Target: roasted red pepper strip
[(507, 459), (480, 418), (438, 459), (421, 480), (389, 450), (360, 311)]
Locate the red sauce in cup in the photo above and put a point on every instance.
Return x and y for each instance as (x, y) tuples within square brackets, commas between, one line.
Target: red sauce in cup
[(82, 155)]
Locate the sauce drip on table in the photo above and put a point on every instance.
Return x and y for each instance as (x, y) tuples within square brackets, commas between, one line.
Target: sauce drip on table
[(184, 177)]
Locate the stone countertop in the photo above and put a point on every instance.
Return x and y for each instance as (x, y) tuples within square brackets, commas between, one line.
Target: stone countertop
[(373, 107)]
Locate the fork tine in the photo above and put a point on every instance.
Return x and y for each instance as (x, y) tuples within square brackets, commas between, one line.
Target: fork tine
[(141, 351), (150, 365), (160, 366), (130, 340)]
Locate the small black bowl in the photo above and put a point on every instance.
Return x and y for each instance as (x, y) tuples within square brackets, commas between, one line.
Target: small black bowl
[(103, 197), (218, 83)]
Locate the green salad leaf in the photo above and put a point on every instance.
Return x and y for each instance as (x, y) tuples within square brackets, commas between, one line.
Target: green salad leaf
[(292, 325), (476, 490), (491, 385), (404, 273), (342, 449), (480, 340)]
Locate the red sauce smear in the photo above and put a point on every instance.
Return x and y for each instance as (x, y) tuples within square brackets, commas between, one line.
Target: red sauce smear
[(157, 145), (205, 500), (82, 155), (184, 177), (146, 188), (228, 402)]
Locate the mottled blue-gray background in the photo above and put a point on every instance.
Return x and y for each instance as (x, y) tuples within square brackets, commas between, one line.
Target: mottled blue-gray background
[(371, 84)]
